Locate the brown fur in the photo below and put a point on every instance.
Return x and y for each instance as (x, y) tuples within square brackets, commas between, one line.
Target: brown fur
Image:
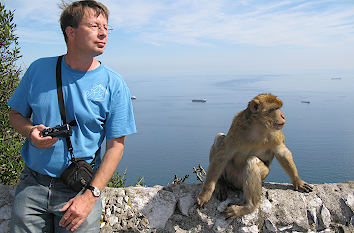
[(242, 158)]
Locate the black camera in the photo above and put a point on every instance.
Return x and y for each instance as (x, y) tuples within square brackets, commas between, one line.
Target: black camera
[(58, 131)]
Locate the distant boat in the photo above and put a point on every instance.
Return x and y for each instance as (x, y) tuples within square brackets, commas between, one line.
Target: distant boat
[(305, 101), (133, 97), (200, 100)]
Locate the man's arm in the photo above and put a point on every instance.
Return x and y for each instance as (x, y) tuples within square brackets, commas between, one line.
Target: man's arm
[(25, 127), (111, 159), (78, 208)]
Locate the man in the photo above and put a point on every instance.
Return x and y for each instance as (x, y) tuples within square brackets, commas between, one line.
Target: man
[(97, 99)]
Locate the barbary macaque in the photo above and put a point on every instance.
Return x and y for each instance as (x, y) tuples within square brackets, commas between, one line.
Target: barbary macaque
[(241, 159)]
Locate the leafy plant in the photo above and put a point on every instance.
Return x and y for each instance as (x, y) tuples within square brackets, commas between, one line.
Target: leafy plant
[(141, 182), (117, 180), (11, 163)]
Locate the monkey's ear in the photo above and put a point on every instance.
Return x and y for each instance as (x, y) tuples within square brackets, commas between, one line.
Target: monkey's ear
[(254, 106)]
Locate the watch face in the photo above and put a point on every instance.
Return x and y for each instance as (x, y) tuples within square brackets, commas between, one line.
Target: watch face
[(95, 191)]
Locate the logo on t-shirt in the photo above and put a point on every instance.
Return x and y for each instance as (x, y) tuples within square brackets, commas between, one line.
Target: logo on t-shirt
[(97, 93)]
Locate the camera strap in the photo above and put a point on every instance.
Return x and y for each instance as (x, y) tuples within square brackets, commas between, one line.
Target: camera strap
[(63, 112)]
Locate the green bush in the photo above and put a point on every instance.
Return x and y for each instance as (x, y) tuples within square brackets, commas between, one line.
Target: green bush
[(140, 182), (11, 163), (117, 181)]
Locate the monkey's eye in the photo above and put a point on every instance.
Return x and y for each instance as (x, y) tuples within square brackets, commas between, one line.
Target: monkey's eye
[(272, 110)]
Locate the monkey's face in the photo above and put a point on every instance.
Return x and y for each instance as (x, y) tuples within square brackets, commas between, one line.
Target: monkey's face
[(278, 119), (272, 118), (265, 108)]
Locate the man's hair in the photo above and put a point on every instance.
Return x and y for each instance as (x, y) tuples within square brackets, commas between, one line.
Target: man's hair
[(72, 14)]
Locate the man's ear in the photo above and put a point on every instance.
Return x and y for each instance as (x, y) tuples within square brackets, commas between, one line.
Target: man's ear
[(69, 31)]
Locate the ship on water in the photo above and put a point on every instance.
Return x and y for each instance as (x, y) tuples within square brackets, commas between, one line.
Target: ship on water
[(200, 100)]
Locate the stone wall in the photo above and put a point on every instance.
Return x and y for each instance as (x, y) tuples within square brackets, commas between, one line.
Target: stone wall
[(329, 208)]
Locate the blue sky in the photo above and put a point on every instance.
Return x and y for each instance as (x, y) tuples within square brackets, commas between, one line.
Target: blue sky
[(179, 37)]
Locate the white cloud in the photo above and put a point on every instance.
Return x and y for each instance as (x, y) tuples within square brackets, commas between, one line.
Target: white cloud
[(47, 37), (276, 23), (133, 14), (35, 11), (197, 22)]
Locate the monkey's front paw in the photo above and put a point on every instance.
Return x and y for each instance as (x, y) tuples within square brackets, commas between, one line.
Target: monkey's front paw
[(306, 187), (203, 198), (302, 185)]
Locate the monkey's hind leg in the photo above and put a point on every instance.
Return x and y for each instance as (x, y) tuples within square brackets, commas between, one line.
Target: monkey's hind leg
[(221, 186), (254, 172), (217, 164), (219, 138)]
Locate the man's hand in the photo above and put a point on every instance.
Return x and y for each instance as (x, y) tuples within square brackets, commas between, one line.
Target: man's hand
[(39, 141), (79, 207), (76, 210), (25, 127)]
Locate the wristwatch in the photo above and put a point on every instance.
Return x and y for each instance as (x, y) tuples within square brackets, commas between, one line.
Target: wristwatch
[(95, 191)]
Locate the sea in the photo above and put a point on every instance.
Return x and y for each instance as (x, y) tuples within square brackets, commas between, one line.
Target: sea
[(174, 134)]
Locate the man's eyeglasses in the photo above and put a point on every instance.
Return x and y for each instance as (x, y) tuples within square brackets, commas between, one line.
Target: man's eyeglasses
[(97, 27)]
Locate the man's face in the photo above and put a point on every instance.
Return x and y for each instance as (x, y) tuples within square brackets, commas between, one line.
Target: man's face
[(90, 37)]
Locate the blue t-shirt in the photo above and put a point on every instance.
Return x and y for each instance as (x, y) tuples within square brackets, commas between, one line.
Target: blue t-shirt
[(99, 100)]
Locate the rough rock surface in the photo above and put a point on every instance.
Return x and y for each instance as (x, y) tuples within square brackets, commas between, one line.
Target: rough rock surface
[(329, 208)]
